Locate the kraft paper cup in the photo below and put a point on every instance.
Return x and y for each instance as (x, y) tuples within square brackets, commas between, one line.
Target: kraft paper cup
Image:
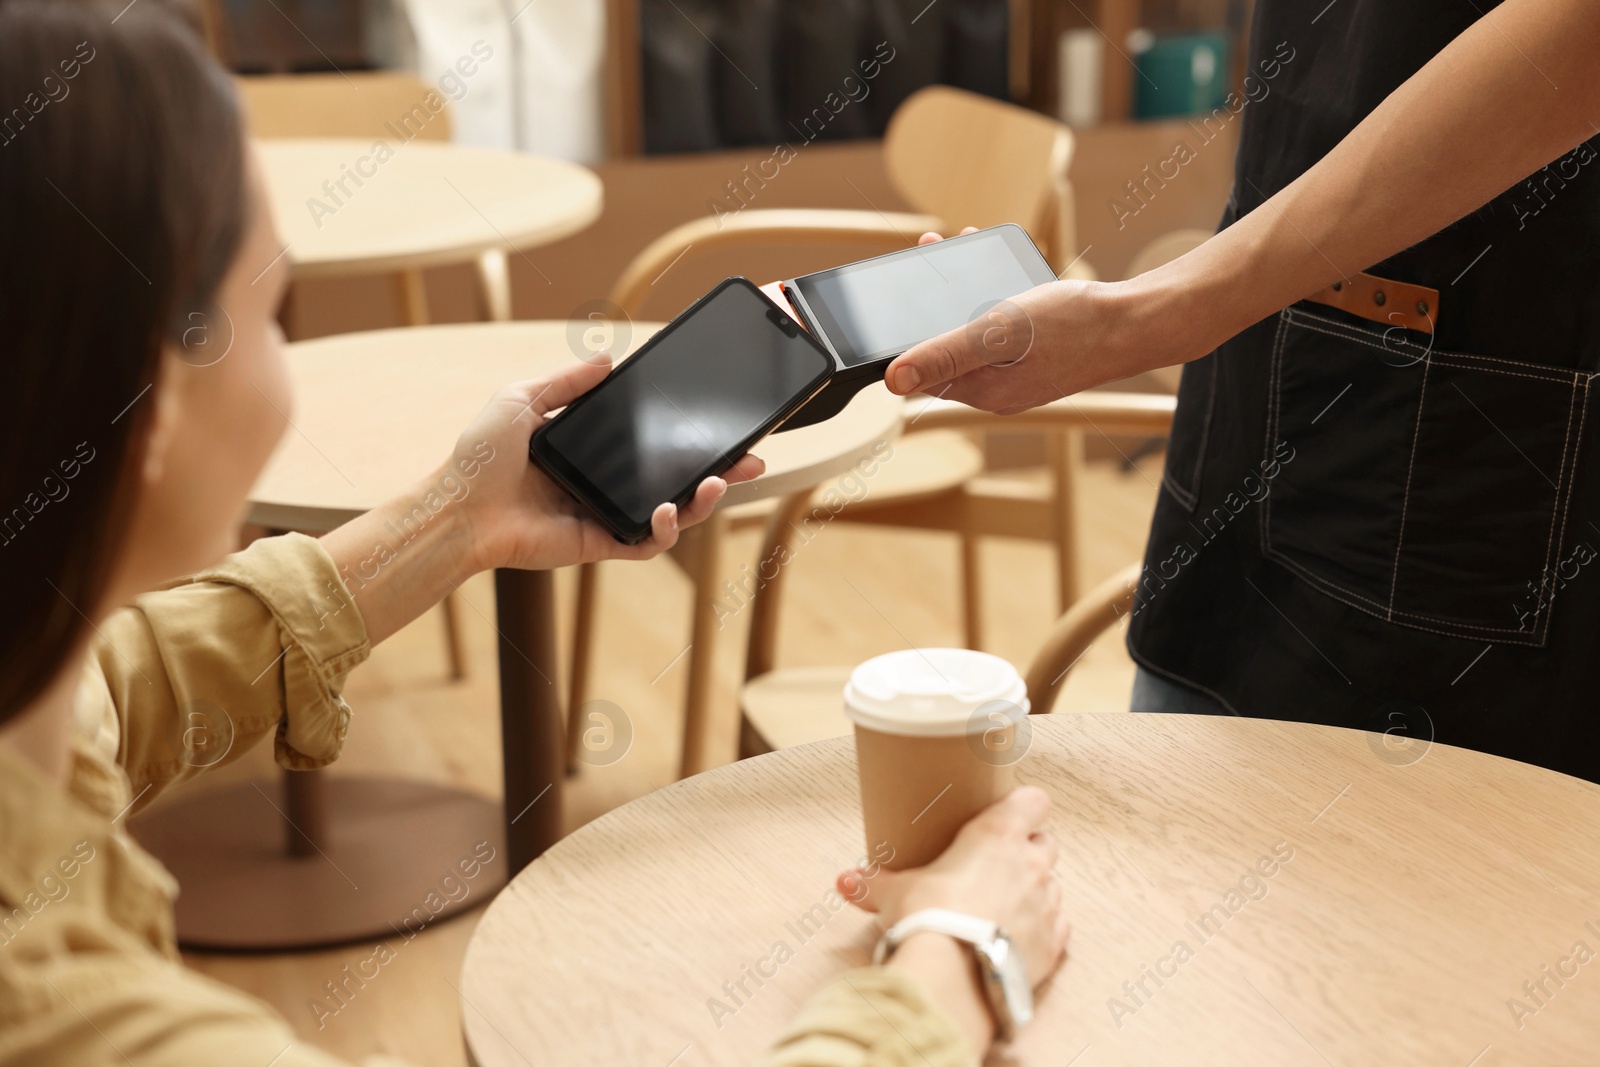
[(938, 734)]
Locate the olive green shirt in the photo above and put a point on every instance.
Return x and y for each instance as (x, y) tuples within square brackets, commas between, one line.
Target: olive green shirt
[(89, 967)]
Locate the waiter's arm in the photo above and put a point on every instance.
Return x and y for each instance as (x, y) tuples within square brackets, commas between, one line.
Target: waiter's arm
[(1516, 90)]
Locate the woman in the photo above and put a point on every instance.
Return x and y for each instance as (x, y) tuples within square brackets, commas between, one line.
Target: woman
[(1380, 503), (132, 222)]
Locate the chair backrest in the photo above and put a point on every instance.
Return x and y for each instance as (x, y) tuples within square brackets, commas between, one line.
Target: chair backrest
[(1098, 611), (359, 104), (961, 159), (866, 233), (976, 161)]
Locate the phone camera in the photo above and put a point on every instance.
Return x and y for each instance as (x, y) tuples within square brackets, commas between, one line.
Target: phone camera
[(783, 322)]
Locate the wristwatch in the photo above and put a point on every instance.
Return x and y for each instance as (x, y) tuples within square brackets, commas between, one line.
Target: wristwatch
[(1000, 967)]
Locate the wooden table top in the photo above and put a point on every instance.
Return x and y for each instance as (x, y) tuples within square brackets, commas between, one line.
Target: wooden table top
[(424, 204), (1411, 892), (377, 411)]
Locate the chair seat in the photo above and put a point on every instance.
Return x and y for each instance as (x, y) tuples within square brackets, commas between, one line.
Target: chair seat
[(795, 705), (922, 465)]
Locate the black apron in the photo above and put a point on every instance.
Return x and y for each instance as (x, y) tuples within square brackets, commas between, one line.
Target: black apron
[(1369, 527)]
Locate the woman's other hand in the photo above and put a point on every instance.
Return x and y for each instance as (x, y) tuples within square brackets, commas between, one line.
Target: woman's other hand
[(1001, 867)]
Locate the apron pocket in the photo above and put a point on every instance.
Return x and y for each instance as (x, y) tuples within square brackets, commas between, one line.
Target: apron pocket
[(1191, 425), (1427, 488)]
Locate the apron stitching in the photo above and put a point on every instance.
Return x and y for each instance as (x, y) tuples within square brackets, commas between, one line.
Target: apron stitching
[(1372, 607), (1405, 500), (1186, 498), (1557, 373), (1272, 419), (1311, 576), (1554, 375), (1190, 498), (1564, 501), (1567, 379), (1205, 432), (1348, 333)]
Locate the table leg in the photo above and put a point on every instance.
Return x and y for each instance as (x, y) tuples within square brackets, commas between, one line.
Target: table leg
[(582, 652), (530, 713), (705, 570), (305, 811)]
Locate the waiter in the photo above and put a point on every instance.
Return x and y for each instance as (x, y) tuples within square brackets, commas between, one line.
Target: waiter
[(1380, 507)]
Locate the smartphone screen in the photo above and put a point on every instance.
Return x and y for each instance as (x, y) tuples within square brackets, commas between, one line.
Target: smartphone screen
[(685, 406), (880, 307)]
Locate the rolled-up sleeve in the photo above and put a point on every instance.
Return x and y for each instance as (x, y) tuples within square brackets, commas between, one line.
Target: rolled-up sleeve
[(873, 1017), (198, 672)]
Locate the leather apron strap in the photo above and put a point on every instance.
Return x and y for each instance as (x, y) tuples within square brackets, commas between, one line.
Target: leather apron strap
[(1381, 300)]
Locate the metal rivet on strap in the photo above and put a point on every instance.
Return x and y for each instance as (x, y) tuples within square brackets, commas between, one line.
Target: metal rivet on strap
[(1379, 298), (1422, 307), (1337, 286)]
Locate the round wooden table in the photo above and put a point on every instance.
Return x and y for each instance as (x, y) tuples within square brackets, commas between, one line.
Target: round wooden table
[(345, 207), (375, 413), (1242, 891)]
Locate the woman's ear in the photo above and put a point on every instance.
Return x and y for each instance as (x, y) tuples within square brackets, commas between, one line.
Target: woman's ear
[(164, 395)]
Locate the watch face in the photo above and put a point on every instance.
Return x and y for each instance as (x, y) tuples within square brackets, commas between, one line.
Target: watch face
[(1014, 983)]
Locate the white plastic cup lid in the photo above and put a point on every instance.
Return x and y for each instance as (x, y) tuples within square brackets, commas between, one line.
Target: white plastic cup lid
[(934, 692)]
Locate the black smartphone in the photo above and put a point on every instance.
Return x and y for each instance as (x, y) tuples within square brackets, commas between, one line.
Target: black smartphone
[(869, 312), (690, 402)]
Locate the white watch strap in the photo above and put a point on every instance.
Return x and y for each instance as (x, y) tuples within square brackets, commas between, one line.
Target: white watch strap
[(954, 924)]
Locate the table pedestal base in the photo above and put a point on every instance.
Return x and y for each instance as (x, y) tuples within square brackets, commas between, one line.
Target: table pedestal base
[(386, 865)]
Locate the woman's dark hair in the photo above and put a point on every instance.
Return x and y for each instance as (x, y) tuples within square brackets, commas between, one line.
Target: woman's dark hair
[(122, 204)]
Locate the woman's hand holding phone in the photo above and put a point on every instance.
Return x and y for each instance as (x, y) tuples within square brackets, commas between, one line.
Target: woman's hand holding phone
[(487, 506), (519, 518)]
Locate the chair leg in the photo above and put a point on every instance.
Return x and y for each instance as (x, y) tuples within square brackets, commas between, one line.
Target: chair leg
[(1066, 456), (413, 291), (494, 285), (455, 644), (750, 742), (582, 640), (702, 645), (971, 589)]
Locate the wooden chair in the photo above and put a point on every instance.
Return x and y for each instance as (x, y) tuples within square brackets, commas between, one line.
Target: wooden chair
[(791, 706), (364, 104), (786, 707)]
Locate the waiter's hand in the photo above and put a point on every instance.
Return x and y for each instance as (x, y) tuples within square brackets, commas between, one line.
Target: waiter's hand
[(1051, 341)]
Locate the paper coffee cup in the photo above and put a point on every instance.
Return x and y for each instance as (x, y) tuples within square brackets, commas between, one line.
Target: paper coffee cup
[(938, 735)]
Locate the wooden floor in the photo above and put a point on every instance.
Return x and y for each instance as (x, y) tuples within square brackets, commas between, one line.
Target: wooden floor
[(857, 591)]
